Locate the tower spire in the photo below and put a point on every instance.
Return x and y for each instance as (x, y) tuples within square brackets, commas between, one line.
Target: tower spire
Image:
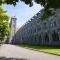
[(12, 27)]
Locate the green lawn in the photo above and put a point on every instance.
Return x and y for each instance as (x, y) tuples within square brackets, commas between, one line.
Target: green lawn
[(43, 48), (55, 51)]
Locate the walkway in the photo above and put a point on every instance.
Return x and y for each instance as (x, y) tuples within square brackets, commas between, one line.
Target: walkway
[(11, 52)]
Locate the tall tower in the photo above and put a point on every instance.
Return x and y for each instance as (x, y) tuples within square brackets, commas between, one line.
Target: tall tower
[(12, 28)]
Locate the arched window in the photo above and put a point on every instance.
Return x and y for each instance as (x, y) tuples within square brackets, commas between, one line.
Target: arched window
[(55, 36), (46, 37), (40, 39), (54, 23)]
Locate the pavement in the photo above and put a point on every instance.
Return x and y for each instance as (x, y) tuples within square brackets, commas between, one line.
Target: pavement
[(12, 52)]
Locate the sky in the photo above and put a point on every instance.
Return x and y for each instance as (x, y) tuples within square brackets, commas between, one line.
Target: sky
[(22, 11)]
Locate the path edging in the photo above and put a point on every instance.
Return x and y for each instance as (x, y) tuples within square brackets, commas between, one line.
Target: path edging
[(42, 51)]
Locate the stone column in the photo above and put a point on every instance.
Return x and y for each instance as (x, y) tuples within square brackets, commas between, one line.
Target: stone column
[(42, 36), (37, 38), (59, 34), (50, 38)]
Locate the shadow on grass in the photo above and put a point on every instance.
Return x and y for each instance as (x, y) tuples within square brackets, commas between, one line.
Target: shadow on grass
[(4, 58), (39, 46)]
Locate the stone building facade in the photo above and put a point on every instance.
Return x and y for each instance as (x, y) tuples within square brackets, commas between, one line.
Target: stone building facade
[(36, 31), (12, 29)]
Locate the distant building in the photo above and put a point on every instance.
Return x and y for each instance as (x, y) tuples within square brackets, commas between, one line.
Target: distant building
[(12, 28), (36, 31)]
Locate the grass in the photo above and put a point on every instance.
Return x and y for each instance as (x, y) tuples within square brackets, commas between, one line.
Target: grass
[(48, 49)]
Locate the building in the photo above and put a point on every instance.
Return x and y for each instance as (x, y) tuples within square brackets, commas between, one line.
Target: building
[(36, 31), (12, 28)]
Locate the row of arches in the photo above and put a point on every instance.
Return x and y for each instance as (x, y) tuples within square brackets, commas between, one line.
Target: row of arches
[(46, 38), (39, 39), (54, 37)]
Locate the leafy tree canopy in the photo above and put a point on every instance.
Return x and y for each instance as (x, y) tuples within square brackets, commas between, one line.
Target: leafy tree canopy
[(47, 4), (4, 25)]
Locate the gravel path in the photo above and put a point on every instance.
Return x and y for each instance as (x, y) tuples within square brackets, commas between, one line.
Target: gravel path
[(11, 52)]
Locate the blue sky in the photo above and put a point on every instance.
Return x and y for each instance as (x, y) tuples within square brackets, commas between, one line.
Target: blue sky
[(23, 12)]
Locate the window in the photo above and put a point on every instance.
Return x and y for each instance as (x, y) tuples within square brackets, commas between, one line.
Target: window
[(38, 28), (46, 38), (45, 27), (51, 25), (54, 23), (55, 36)]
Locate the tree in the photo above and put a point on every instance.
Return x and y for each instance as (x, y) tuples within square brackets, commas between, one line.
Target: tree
[(47, 4), (4, 25), (8, 2)]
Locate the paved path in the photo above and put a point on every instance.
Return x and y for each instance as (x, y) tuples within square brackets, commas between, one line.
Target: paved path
[(11, 52)]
